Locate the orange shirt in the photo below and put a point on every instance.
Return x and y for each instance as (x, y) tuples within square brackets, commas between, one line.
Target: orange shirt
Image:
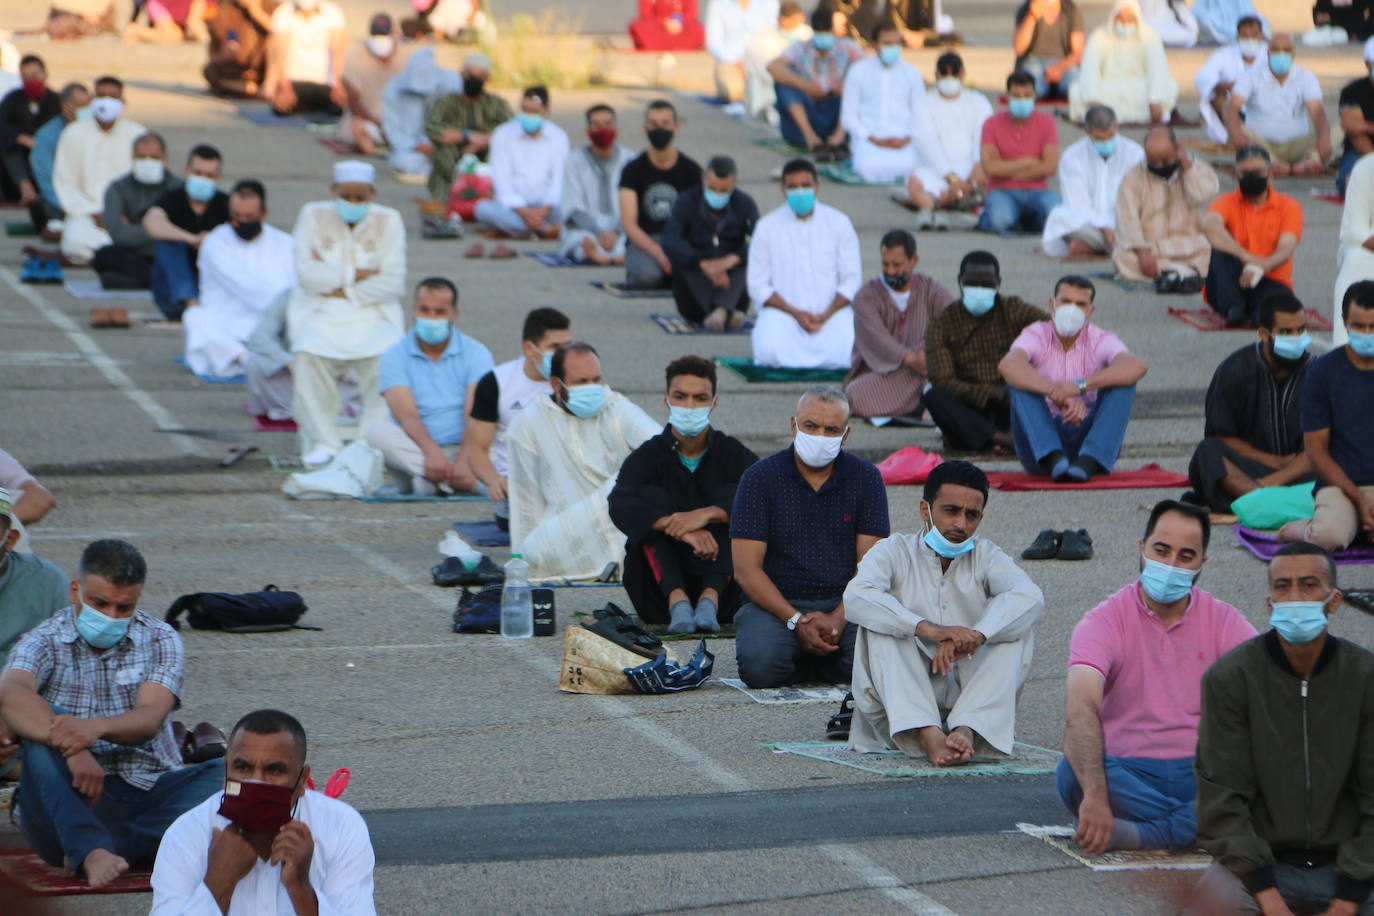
[(1257, 229)]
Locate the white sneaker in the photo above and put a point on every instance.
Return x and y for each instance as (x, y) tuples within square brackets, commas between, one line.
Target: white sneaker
[(925, 219), (940, 221), (318, 457)]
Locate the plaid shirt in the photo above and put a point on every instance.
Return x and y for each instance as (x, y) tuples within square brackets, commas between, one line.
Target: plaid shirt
[(91, 684), (962, 352), (827, 69)]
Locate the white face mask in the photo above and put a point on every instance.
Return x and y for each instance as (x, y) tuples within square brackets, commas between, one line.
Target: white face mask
[(149, 171), (817, 451), (949, 86), (1069, 320), (106, 109), (1250, 48), (381, 45)]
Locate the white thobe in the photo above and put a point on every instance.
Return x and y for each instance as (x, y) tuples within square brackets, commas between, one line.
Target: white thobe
[(766, 47), (1088, 185), (951, 140), (883, 102), (86, 161), (729, 28), (898, 585), (807, 262), (340, 868), (238, 282), (1172, 20), (1353, 260), (1226, 65), (1127, 74), (527, 169), (562, 469)]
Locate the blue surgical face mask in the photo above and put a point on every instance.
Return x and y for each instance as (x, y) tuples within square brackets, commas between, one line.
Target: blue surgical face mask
[(1125, 29), (717, 200), (85, 114), (689, 421), (585, 401), (945, 547), (889, 54), (546, 365), (823, 41), (350, 212), (1298, 622), (432, 330), (1166, 584), (1362, 344), (1280, 62), (100, 630), (1106, 147), (1021, 108), (979, 300), (801, 200), (1289, 347), (529, 123), (199, 188)]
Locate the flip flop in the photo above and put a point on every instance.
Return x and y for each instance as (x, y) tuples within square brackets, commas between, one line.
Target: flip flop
[(503, 252), (119, 318), (475, 251), (100, 318)]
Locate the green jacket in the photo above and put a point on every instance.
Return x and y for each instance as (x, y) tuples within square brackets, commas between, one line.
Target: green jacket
[(1285, 767)]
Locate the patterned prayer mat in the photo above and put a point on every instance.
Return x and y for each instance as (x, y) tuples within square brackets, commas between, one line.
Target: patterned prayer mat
[(676, 324), (789, 696), (1207, 319), (1027, 760), (1061, 838), (36, 878), (747, 370), (620, 292)]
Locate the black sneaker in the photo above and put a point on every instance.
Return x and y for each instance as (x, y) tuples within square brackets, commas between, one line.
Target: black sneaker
[(452, 571), (1045, 546), (837, 729), (1076, 545)]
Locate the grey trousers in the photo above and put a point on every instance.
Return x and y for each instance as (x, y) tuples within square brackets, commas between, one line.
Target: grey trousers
[(769, 654), (641, 270), (1305, 890)]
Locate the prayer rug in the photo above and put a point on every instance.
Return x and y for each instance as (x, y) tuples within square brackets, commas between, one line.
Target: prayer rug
[(1329, 196), (91, 289), (7, 793), (621, 292), (714, 101), (1203, 145), (1127, 285), (210, 379), (676, 324), (483, 534), (1070, 258), (1026, 760), (285, 464), (1264, 545), (831, 694), (339, 147), (781, 146), (747, 370), (843, 173), (1206, 319), (1061, 838), (264, 116), (1149, 477), (36, 878), (380, 497), (20, 229), (553, 259), (265, 424)]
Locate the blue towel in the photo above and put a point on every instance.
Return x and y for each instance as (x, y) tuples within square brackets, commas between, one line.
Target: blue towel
[(483, 534)]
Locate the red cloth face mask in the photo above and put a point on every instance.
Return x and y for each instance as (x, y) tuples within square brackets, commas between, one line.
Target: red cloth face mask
[(34, 89), (601, 137), (256, 807)]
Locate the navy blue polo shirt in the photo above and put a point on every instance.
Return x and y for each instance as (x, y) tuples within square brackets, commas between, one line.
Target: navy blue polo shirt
[(810, 533)]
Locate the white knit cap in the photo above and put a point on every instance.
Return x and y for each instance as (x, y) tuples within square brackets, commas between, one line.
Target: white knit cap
[(478, 60), (350, 170)]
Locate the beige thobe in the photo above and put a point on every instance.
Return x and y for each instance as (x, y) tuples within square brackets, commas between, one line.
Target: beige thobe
[(899, 584), (1165, 217)]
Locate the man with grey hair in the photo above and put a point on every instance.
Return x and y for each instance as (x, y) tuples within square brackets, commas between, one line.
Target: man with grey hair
[(127, 262), (707, 240), (1090, 173), (461, 123), (803, 519)]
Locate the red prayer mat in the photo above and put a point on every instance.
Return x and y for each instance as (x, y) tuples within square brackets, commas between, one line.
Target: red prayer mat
[(265, 424), (1329, 196), (36, 878), (1150, 477), (338, 147), (1206, 319)]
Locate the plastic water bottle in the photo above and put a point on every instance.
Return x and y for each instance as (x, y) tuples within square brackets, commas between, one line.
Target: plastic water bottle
[(517, 605)]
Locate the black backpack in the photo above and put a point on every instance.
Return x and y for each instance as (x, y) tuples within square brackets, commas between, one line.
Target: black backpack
[(267, 611)]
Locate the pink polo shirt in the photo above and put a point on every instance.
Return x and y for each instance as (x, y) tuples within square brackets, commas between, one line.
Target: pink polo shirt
[(1152, 699), (1093, 350)]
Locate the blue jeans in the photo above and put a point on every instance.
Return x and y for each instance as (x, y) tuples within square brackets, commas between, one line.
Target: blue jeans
[(1036, 67), (769, 655), (1155, 795), (1343, 172), (1005, 208), (127, 821), (1038, 434), (174, 278), (499, 216), (823, 114)]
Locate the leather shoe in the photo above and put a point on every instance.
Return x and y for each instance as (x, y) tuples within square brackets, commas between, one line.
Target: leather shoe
[(1044, 547)]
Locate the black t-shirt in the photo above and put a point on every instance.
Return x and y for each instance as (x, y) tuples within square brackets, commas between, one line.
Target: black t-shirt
[(658, 188), (177, 206), (486, 399), (1359, 94)]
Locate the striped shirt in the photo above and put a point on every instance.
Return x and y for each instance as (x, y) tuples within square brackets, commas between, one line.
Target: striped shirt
[(90, 683)]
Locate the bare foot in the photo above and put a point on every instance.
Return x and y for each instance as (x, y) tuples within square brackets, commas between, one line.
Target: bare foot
[(936, 746), (592, 251), (1079, 249), (960, 744), (102, 867)]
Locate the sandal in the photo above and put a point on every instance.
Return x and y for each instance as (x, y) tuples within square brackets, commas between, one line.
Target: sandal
[(1167, 282), (626, 631), (1190, 285), (837, 729)]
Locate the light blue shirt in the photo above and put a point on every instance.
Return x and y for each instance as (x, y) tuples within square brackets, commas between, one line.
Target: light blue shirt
[(42, 155), (440, 387)]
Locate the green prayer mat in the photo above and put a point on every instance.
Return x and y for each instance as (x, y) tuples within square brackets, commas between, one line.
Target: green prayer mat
[(781, 146), (21, 229), (747, 370), (843, 173), (1027, 760)]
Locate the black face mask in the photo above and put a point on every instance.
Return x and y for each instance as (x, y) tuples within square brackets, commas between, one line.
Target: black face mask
[(897, 282), (660, 137), (248, 231), (472, 86), (1253, 185), (1165, 171)]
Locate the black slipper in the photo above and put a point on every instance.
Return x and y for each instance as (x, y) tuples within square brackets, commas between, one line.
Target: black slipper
[(625, 630), (1076, 545), (837, 729), (1044, 547)]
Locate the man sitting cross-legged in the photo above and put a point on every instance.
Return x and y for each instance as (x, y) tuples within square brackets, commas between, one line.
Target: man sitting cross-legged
[(672, 499), (90, 691), (945, 638), (1135, 678), (1090, 174), (527, 156), (1159, 212), (1254, 412), (267, 844)]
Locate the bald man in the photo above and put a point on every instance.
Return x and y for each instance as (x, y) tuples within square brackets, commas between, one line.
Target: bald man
[(1159, 213)]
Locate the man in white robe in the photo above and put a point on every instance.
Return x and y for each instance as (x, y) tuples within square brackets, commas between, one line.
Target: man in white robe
[(760, 99), (1224, 69), (1124, 67), (949, 143), (346, 308), (730, 26), (1090, 173), (244, 265), (92, 153), (882, 99), (804, 268), (565, 452), (1355, 259), (945, 637)]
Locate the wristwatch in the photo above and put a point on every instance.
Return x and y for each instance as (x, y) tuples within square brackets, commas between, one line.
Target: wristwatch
[(1082, 384), (792, 621)]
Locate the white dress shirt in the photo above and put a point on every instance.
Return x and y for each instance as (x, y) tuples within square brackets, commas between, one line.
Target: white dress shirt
[(1277, 111), (527, 169)]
